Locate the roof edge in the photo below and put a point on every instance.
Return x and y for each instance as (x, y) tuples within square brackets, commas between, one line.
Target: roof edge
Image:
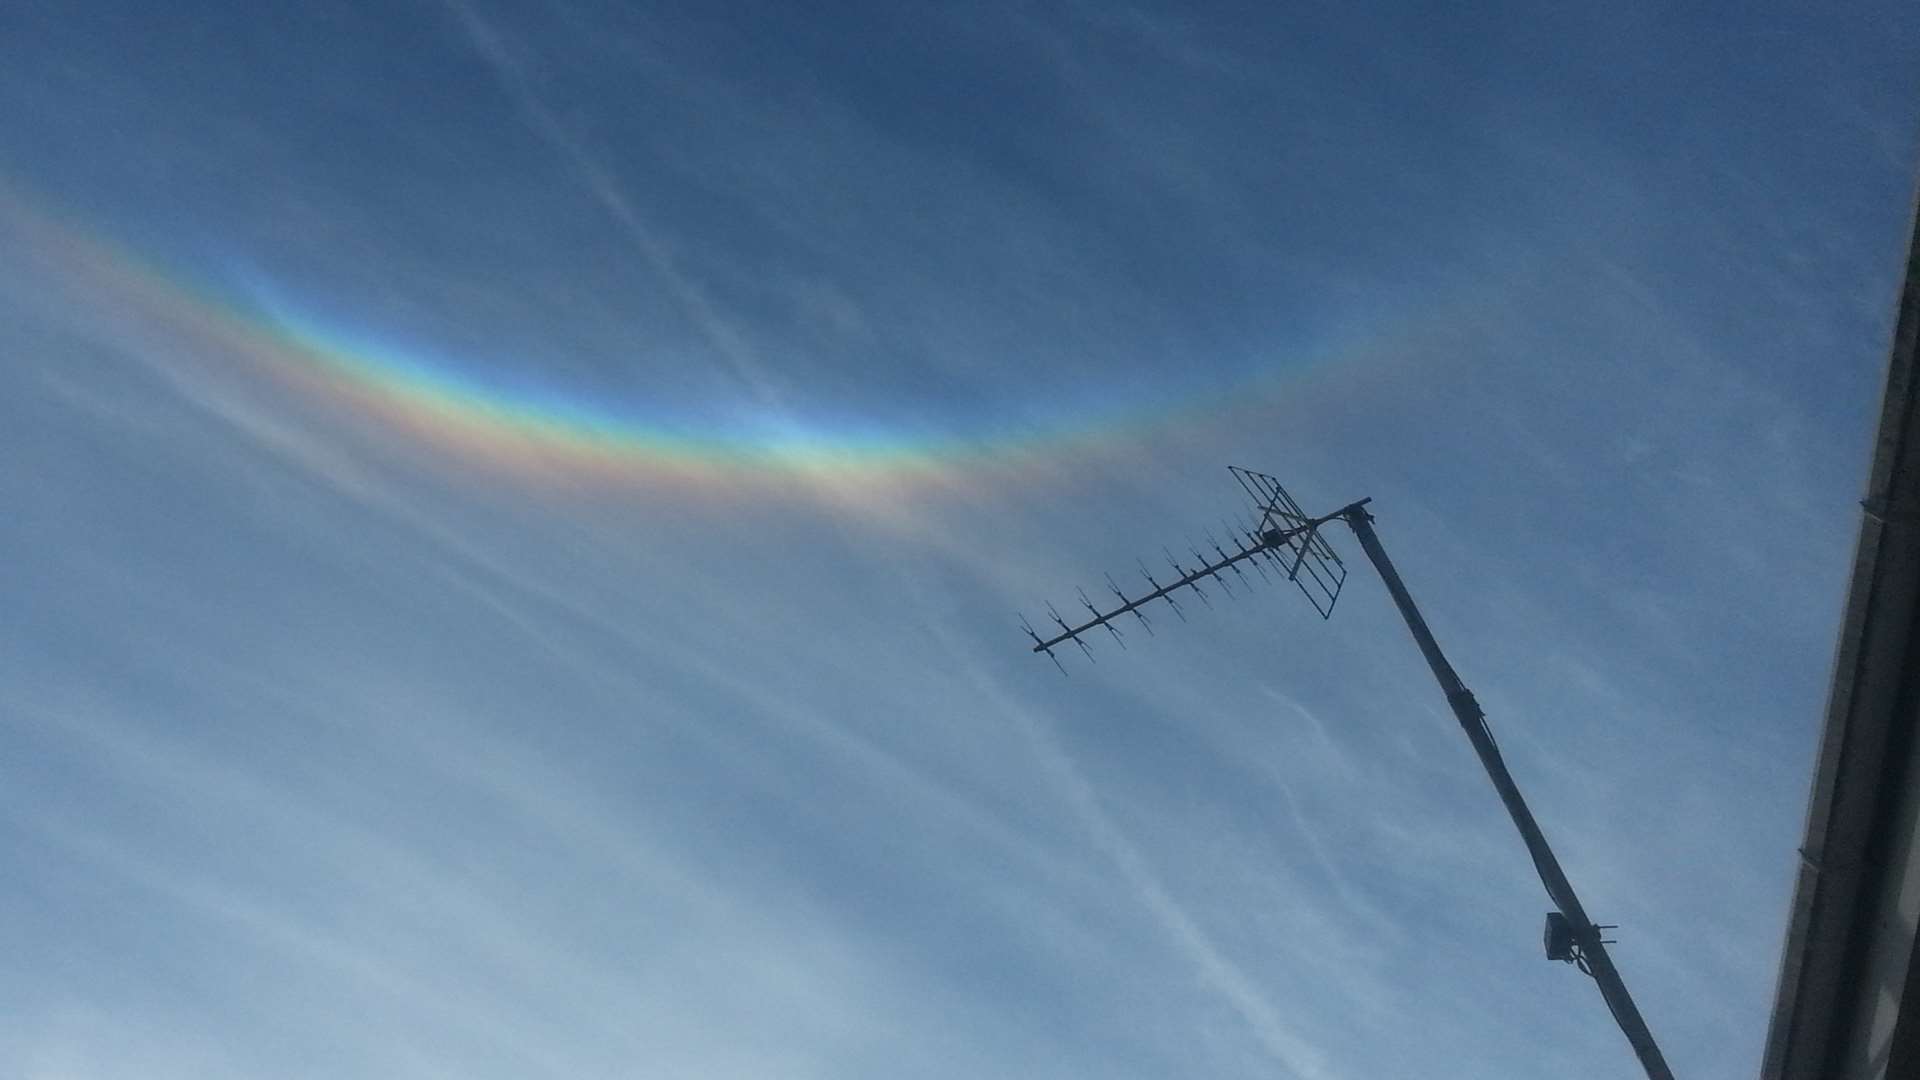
[(1856, 779)]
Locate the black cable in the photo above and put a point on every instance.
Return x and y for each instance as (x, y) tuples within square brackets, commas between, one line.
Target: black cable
[(1580, 960)]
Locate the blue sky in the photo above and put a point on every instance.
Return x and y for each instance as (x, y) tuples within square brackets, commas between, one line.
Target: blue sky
[(516, 519)]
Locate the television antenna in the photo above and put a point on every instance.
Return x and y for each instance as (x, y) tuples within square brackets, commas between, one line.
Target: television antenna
[(1284, 539)]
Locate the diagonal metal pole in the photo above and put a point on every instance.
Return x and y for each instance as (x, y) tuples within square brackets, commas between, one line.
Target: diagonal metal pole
[(1467, 711)]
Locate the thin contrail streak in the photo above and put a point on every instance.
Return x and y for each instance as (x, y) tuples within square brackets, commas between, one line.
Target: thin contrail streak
[(605, 188)]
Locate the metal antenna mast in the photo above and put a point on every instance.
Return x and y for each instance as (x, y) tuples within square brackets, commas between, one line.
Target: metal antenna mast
[(1285, 538)]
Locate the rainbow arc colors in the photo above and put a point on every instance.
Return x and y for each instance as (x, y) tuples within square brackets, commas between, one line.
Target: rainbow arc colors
[(464, 410)]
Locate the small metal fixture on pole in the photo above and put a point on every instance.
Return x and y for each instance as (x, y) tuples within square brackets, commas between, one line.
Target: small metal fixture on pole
[(1285, 539)]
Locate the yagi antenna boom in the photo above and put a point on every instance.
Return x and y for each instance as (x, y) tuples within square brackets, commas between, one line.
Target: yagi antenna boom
[(1284, 537)]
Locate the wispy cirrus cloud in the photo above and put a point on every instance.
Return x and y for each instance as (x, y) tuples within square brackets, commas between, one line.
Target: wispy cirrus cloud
[(328, 756)]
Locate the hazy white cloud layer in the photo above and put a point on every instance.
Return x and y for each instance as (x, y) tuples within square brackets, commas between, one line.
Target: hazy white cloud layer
[(350, 729)]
